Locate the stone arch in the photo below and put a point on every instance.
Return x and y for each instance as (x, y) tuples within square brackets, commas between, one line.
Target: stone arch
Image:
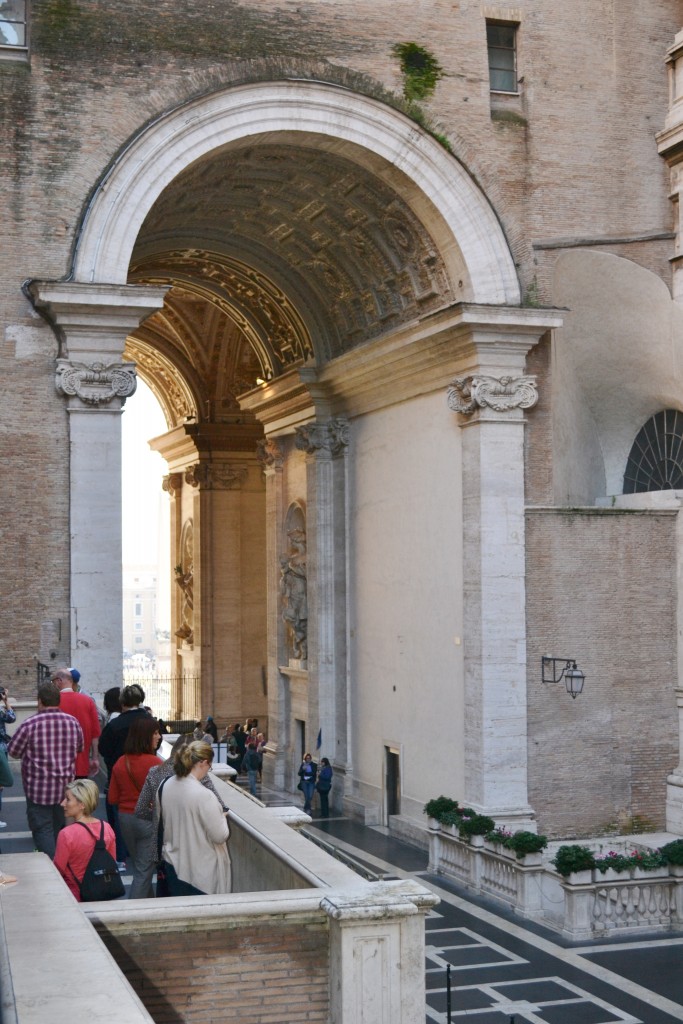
[(443, 195)]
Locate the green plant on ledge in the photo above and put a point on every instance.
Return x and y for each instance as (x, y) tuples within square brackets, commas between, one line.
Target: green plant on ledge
[(439, 806), (615, 861), (573, 858), (648, 860), (476, 825), (672, 853), (521, 842)]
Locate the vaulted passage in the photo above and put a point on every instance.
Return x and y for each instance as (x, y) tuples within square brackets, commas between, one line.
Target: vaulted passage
[(277, 255)]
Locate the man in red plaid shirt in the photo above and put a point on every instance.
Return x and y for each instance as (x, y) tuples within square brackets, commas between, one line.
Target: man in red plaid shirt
[(47, 744)]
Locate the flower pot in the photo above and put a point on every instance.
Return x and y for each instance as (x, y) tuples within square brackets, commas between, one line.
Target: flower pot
[(433, 824), (580, 877), (676, 870), (477, 842), (529, 860), (494, 847), (610, 876), (648, 874), (451, 830)]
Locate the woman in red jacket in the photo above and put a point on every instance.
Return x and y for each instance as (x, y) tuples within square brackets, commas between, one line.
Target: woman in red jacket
[(74, 845), (127, 779)]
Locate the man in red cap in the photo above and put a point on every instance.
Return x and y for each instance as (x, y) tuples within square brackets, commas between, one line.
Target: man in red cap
[(84, 710)]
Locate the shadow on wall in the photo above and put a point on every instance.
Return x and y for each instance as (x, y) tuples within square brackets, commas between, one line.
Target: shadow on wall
[(616, 361)]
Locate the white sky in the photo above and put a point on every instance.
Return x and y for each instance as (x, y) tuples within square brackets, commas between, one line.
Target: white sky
[(145, 505)]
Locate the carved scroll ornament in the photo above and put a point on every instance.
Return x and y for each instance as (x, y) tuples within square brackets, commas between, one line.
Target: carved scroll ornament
[(502, 394), (96, 383)]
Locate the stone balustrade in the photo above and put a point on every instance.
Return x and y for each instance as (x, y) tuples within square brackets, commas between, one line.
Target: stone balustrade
[(300, 934), (595, 905)]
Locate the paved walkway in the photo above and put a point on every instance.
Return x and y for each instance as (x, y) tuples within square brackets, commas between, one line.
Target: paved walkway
[(502, 969)]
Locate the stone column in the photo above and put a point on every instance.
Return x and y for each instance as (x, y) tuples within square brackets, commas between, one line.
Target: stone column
[(490, 400), (325, 444), (271, 457), (377, 949), (92, 323)]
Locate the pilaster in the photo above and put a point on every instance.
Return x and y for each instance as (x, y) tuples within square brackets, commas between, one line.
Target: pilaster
[(490, 397), (271, 457), (92, 323), (326, 444)]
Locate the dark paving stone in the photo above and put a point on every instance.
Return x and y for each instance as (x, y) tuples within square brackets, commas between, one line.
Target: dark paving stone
[(394, 851), (577, 1013), (461, 1000), (659, 968)]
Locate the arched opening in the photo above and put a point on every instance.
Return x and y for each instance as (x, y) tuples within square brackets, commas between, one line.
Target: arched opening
[(285, 242), (312, 256)]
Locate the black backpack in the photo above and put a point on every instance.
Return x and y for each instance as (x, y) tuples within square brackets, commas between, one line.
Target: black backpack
[(101, 879)]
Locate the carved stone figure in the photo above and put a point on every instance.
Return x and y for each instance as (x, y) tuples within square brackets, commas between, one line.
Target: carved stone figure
[(184, 577), (293, 591)]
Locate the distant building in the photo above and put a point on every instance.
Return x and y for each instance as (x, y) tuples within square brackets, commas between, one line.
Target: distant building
[(139, 616)]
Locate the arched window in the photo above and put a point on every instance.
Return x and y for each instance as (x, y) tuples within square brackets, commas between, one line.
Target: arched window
[(655, 462)]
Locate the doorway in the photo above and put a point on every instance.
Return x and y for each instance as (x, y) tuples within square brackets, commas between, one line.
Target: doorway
[(392, 781)]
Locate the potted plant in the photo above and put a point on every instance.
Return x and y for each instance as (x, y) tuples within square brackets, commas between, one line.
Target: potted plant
[(528, 846), (672, 853), (473, 828), (611, 866), (450, 822), (497, 840), (575, 863), (436, 808), (648, 864)]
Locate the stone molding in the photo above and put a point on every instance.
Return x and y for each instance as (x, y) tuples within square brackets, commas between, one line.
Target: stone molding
[(216, 476), (502, 394), (270, 454), (95, 383), (323, 439)]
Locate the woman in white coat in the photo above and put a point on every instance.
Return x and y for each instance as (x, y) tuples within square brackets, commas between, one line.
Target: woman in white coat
[(194, 851)]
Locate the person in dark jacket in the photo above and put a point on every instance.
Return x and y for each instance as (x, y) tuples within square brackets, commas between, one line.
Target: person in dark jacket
[(307, 773), (112, 742), (251, 764), (324, 785)]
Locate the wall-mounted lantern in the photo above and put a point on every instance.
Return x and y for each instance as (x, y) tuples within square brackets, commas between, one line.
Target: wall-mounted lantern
[(554, 670)]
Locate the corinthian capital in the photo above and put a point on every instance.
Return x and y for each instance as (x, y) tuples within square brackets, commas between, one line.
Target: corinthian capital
[(95, 383), (329, 438), (502, 394)]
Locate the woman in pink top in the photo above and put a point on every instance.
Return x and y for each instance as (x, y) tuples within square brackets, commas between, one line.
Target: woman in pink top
[(127, 779), (74, 845)]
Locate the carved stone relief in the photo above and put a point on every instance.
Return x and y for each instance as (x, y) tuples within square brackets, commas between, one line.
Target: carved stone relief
[(269, 453), (294, 585), (502, 394), (213, 476), (184, 577)]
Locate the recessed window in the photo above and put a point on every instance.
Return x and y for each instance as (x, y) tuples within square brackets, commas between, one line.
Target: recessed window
[(501, 40), (656, 459), (13, 24)]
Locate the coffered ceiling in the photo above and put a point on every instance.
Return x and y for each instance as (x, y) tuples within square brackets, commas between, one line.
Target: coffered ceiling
[(278, 256)]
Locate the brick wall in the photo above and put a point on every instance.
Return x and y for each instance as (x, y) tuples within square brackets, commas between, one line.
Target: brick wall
[(273, 973), (601, 588)]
